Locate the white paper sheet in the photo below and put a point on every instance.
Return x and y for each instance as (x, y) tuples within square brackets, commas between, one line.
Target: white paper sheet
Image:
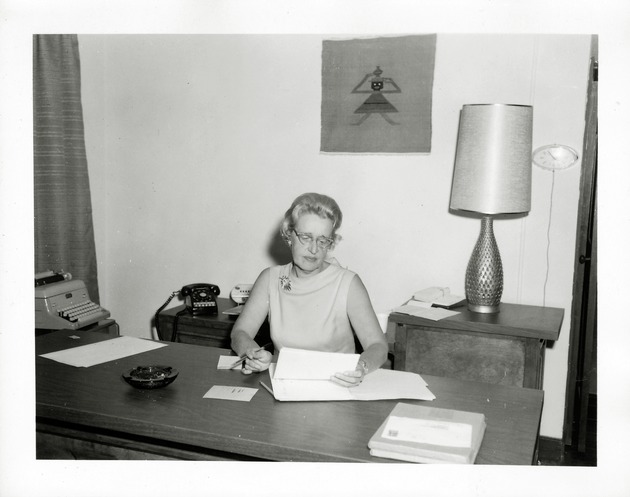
[(227, 362), (85, 356), (225, 392), (299, 364), (391, 384), (432, 313), (378, 385), (419, 303)]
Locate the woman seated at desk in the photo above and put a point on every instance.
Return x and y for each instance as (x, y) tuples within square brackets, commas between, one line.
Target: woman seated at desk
[(312, 303)]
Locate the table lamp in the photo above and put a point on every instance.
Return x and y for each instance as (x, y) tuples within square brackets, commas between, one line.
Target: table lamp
[(492, 176)]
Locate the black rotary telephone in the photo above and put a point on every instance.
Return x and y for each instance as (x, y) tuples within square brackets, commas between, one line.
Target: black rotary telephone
[(199, 299)]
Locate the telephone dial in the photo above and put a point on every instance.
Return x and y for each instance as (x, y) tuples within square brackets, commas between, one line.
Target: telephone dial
[(199, 299)]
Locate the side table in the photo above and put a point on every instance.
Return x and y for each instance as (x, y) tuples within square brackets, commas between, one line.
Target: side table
[(507, 348), (207, 330)]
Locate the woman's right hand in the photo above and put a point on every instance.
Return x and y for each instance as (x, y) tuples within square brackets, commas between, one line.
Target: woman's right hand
[(257, 361)]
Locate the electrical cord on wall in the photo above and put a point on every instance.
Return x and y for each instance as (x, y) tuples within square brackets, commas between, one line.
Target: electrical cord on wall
[(553, 181)]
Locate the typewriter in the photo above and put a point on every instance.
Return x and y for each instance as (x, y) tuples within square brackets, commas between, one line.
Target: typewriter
[(64, 303)]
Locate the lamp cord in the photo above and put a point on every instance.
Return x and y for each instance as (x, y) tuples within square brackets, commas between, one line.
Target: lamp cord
[(553, 181)]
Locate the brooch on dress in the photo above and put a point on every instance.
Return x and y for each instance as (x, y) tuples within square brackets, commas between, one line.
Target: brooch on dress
[(285, 283)]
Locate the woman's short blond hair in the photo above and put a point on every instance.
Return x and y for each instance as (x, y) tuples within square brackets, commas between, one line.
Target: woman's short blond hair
[(312, 203)]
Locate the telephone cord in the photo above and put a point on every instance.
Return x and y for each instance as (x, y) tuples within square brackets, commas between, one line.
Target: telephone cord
[(157, 320)]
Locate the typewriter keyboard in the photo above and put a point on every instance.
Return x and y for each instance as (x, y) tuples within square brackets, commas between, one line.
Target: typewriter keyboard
[(84, 313)]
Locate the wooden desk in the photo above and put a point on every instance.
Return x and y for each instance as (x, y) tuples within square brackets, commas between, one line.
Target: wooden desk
[(211, 331), (507, 348), (91, 413)]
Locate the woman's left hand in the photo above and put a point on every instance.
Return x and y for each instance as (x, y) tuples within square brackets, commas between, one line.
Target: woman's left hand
[(349, 378)]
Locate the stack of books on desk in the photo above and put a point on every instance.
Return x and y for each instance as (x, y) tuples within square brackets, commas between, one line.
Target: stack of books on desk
[(429, 435)]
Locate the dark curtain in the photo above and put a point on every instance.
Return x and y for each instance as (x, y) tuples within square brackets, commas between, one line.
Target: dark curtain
[(64, 235)]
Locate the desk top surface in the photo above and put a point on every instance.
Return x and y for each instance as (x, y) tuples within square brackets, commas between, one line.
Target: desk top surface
[(263, 428)]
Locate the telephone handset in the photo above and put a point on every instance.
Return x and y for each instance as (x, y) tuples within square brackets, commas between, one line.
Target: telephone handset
[(200, 298)]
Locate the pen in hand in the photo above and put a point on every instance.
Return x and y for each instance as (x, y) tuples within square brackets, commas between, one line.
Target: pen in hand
[(242, 358)]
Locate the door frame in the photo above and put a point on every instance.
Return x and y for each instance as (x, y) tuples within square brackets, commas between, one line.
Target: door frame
[(584, 307)]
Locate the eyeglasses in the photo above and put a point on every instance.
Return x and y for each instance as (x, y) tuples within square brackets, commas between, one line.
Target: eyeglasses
[(323, 242)]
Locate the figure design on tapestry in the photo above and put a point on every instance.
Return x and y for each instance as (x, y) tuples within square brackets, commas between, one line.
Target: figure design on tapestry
[(376, 103)]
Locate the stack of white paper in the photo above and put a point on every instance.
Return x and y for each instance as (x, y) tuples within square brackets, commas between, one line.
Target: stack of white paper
[(295, 381), (300, 364)]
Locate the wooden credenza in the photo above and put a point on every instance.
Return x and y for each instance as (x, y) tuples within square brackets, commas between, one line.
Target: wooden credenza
[(507, 348), (210, 331)]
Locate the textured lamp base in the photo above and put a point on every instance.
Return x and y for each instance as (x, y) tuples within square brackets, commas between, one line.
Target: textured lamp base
[(484, 309), (484, 275)]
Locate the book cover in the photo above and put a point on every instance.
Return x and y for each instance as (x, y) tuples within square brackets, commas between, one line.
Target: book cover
[(429, 435)]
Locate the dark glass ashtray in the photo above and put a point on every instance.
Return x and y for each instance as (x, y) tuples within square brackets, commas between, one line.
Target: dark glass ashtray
[(150, 376)]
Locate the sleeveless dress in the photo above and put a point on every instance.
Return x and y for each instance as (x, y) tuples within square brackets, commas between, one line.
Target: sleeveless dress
[(310, 313)]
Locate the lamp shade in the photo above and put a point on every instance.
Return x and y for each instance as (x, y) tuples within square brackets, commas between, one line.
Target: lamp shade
[(493, 166)]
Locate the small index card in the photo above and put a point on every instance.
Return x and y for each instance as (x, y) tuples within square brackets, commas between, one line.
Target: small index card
[(227, 361), (225, 392)]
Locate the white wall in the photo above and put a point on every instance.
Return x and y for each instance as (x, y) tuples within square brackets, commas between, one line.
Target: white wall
[(198, 144)]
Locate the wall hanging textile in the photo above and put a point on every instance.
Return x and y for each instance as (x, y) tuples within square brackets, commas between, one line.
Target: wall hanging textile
[(376, 95)]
